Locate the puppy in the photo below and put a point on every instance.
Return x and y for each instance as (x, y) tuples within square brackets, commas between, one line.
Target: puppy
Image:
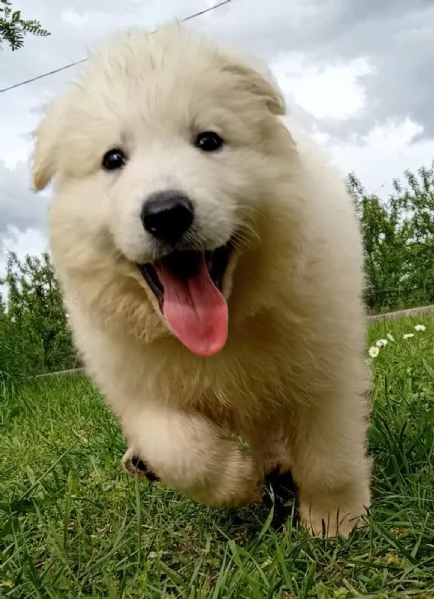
[(211, 265)]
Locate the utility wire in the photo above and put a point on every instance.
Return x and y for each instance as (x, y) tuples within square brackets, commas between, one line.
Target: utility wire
[(73, 64)]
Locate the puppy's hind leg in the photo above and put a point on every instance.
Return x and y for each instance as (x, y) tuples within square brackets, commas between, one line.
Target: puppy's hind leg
[(272, 452), (271, 448)]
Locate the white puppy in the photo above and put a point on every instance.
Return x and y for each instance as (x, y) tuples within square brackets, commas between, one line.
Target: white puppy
[(212, 268)]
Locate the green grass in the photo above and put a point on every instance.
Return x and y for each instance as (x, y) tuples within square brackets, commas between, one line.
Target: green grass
[(72, 524)]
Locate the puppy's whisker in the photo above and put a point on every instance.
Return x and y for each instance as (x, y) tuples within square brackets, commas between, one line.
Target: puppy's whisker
[(245, 235)]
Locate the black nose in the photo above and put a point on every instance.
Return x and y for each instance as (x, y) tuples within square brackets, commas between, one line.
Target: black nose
[(167, 215)]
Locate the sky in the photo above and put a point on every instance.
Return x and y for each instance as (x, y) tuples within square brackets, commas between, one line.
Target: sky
[(357, 75)]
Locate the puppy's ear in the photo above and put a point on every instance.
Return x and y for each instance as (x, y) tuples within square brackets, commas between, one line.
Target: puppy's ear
[(261, 84), (45, 155)]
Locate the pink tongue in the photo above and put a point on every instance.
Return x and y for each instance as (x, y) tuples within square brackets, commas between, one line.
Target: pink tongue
[(195, 310)]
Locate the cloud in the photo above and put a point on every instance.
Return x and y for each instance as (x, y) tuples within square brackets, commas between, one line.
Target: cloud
[(326, 92), (396, 37), (382, 155), (19, 206), (30, 241), (22, 214)]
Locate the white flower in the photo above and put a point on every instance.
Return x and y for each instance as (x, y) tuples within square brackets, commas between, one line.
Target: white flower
[(381, 342), (373, 351), (408, 335), (420, 327), (390, 337)]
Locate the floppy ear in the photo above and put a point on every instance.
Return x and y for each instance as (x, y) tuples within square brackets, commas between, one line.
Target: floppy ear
[(46, 137), (260, 84)]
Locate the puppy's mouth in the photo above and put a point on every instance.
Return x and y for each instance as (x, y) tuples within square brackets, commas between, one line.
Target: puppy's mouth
[(188, 286)]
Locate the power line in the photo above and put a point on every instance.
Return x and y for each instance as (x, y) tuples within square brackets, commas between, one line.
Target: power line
[(73, 64)]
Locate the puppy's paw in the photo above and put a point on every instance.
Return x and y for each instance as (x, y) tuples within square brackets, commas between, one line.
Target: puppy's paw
[(136, 466), (331, 518)]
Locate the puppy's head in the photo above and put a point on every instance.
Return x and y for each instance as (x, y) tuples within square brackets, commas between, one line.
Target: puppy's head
[(164, 152)]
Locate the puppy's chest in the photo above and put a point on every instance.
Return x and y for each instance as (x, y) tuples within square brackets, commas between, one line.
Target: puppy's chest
[(249, 372), (245, 378), (221, 387)]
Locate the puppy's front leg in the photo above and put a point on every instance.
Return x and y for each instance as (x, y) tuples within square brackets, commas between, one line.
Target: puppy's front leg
[(193, 455), (330, 465)]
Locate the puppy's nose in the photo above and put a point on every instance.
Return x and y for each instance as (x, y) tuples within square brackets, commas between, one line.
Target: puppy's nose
[(167, 215)]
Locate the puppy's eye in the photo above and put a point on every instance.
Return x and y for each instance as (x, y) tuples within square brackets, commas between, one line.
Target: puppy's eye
[(113, 159), (208, 141)]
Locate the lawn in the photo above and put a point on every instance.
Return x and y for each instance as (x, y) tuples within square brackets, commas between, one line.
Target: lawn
[(72, 524)]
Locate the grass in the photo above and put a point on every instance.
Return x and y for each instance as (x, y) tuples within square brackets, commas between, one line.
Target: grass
[(73, 525)]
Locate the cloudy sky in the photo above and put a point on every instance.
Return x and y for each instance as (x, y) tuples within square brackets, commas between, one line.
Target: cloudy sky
[(357, 74)]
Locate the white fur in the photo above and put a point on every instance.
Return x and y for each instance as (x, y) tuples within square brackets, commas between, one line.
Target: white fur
[(291, 378)]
